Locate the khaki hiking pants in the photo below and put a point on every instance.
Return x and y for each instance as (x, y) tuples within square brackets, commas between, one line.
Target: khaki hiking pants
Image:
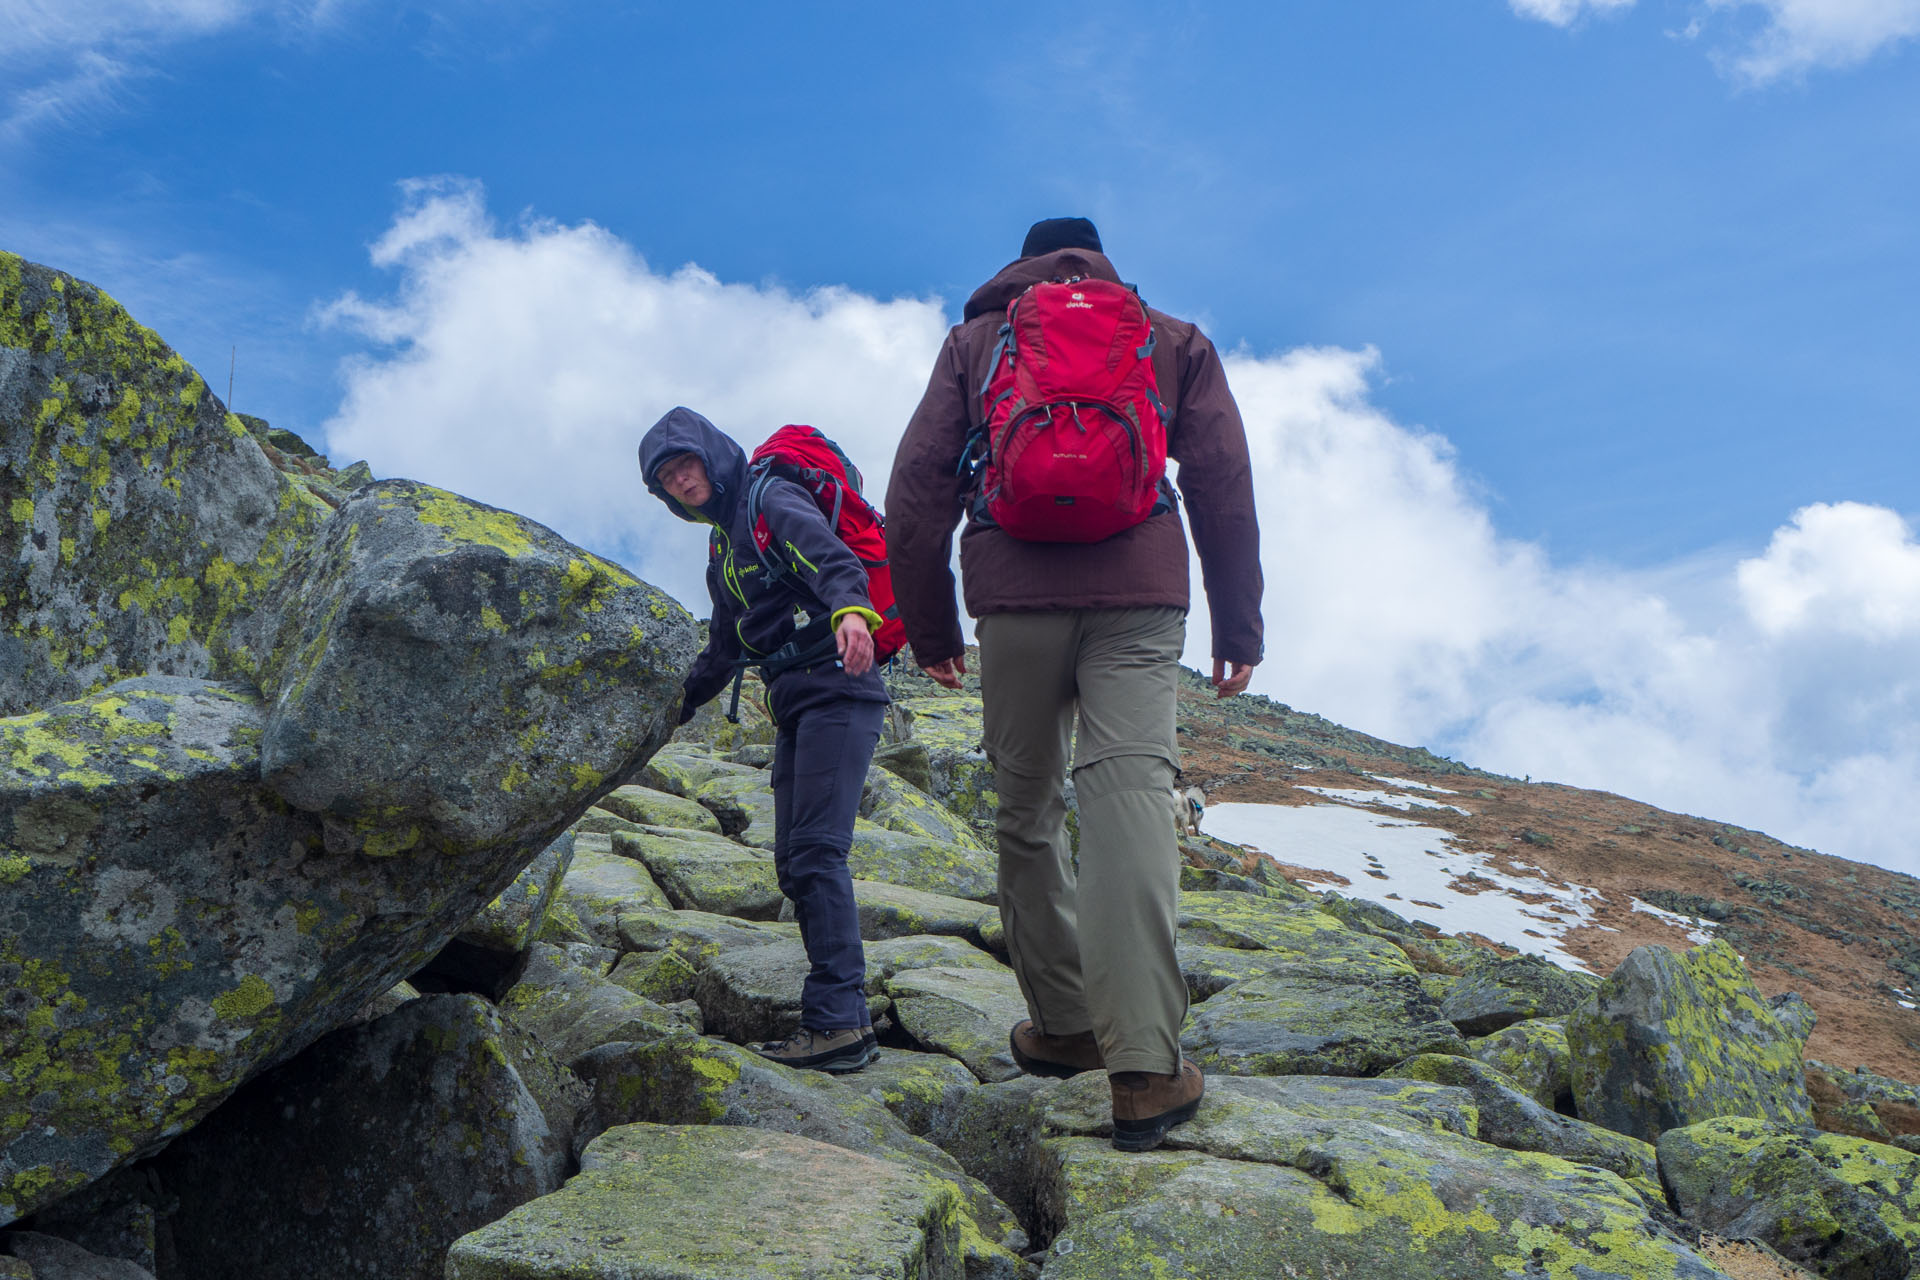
[(1092, 950)]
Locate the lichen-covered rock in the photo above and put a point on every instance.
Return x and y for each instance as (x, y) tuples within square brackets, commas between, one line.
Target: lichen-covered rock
[(566, 1000), (146, 986), (1245, 922), (949, 727), (698, 935), (367, 1154), (650, 808), (444, 673), (890, 911), (1847, 1208), (891, 802), (681, 767), (1348, 1019), (1499, 991), (141, 521), (689, 1079), (754, 994), (668, 1202), (1862, 1103), (1362, 1178), (915, 862), (1671, 1040), (703, 872), (742, 803), (1534, 1055), (510, 922), (1363, 1202), (912, 1085), (601, 885), (1511, 1119), (966, 1013), (602, 822), (664, 977)]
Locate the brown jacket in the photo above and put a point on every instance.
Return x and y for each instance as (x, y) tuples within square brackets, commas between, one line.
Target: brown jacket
[(1142, 566)]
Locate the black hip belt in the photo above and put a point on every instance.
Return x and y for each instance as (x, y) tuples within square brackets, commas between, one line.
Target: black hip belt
[(811, 644)]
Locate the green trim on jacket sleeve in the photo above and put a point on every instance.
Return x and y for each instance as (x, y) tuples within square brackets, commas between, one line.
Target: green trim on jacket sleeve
[(874, 620)]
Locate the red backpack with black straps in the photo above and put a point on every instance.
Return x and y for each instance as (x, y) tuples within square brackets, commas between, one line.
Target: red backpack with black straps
[(1073, 441), (808, 458)]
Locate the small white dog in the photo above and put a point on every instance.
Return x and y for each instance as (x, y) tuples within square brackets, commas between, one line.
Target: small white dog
[(1188, 807)]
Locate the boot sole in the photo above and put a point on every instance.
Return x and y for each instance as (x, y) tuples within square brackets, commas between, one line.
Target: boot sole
[(1145, 1135), (838, 1062), (1040, 1066)]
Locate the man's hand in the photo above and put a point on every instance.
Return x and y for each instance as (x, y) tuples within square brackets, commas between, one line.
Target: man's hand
[(947, 674), (855, 643), (1224, 685)]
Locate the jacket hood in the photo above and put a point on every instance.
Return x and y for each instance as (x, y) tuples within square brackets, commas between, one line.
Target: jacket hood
[(684, 431), (1021, 274)]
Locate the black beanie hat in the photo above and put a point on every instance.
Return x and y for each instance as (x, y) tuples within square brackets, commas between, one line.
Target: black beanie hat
[(1060, 233)]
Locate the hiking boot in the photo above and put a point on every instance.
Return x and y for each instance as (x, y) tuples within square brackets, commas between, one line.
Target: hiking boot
[(848, 1049), (1059, 1056), (1146, 1105)]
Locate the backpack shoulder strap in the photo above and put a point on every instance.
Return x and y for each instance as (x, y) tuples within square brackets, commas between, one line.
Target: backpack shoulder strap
[(759, 476)]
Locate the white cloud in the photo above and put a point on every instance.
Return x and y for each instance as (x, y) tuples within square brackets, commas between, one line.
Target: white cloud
[(1793, 36), (1564, 13), (526, 365), (521, 364), (67, 59), (1802, 35), (1843, 568)]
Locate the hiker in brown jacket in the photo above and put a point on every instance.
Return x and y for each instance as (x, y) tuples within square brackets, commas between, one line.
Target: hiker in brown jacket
[(1099, 627)]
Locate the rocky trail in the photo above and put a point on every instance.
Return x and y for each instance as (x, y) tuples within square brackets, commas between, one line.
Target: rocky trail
[(358, 916)]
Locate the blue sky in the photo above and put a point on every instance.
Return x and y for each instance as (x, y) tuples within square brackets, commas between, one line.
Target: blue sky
[(1616, 291)]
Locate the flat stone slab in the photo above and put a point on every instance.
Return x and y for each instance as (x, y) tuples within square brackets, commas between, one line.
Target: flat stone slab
[(1318, 1020), (649, 808), (1510, 1118), (698, 935), (566, 1000), (1367, 1204), (689, 1079), (964, 1013), (916, 862), (600, 885), (670, 1202), (703, 872), (754, 994), (912, 1085), (892, 911)]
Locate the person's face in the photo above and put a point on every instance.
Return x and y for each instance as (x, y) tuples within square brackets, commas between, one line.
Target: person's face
[(684, 477)]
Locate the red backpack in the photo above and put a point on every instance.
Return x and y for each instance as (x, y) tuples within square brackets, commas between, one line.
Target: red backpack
[(1073, 437), (815, 463)]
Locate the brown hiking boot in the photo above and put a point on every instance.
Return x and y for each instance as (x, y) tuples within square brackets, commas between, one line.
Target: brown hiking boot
[(836, 1051), (1146, 1105), (1060, 1056)]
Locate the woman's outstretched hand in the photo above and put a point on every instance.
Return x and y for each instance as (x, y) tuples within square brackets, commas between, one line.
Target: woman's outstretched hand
[(855, 643)]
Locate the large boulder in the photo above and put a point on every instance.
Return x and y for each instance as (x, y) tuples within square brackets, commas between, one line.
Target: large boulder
[(1258, 1185), (1319, 1019), (368, 1154), (428, 691), (446, 674), (1670, 1040), (141, 521), (699, 871), (1847, 1208), (669, 1202)]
